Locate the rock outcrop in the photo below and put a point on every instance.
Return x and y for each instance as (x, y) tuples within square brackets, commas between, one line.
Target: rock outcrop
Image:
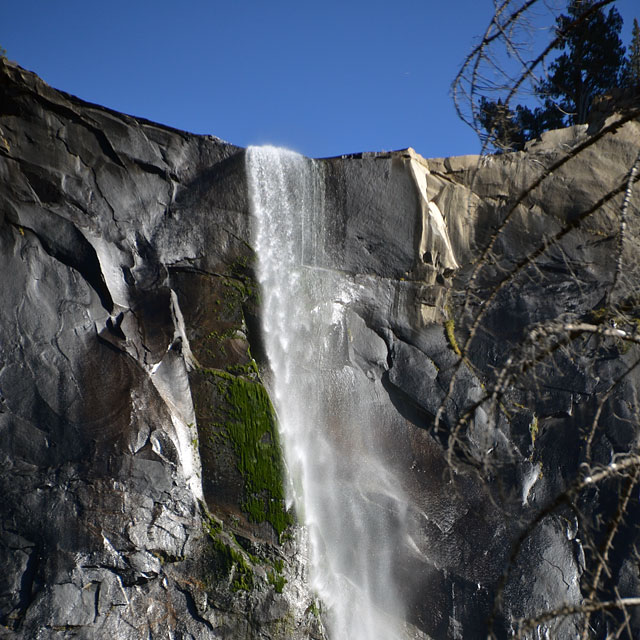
[(125, 293), (141, 486)]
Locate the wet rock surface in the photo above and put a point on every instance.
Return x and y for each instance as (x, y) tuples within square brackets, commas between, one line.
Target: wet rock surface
[(118, 237), (130, 328)]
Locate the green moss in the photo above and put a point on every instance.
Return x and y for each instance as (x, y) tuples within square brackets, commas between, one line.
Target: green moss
[(227, 562), (248, 421), (601, 314), (278, 581), (274, 575), (238, 291), (211, 526), (241, 266), (449, 327), (215, 340), (249, 370), (239, 421)]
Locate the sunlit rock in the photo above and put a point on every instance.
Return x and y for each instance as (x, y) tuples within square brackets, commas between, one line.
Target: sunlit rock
[(142, 488)]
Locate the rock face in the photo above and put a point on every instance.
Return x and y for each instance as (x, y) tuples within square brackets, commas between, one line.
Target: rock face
[(141, 484), (125, 289)]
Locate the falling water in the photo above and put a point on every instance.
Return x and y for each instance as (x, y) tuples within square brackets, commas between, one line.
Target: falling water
[(342, 490)]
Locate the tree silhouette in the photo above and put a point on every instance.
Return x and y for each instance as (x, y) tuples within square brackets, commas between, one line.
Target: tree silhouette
[(632, 65), (590, 64)]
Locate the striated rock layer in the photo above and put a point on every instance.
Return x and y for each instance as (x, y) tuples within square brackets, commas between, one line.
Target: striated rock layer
[(141, 482)]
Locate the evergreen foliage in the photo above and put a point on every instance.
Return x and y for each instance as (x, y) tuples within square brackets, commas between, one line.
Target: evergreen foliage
[(508, 130), (590, 64), (632, 65)]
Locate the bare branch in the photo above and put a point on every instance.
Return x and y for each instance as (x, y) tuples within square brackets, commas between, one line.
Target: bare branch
[(572, 610)]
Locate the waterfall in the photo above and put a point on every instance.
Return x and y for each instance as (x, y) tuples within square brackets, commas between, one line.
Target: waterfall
[(342, 487)]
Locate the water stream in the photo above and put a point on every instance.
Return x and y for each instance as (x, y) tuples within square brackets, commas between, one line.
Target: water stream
[(339, 482)]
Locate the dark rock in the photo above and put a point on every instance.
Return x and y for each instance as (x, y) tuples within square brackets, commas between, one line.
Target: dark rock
[(109, 226), (130, 308)]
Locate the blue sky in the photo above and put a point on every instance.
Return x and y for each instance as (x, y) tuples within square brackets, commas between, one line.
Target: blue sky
[(323, 78)]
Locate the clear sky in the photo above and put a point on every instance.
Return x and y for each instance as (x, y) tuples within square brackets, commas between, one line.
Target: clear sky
[(322, 78)]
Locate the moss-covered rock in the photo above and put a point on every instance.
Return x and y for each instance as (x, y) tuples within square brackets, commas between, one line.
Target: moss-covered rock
[(244, 421)]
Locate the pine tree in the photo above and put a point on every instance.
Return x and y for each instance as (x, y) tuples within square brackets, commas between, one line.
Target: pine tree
[(632, 65), (500, 123), (508, 130), (590, 64)]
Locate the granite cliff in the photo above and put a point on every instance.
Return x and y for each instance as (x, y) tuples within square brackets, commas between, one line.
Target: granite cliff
[(141, 483)]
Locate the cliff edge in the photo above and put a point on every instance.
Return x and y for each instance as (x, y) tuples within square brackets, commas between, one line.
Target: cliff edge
[(496, 320)]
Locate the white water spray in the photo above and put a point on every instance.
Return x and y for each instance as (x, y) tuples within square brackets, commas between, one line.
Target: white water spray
[(344, 493)]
